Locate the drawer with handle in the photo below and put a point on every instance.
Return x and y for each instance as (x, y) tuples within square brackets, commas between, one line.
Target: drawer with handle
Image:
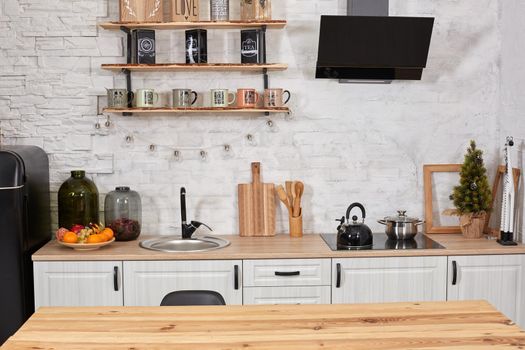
[(289, 272)]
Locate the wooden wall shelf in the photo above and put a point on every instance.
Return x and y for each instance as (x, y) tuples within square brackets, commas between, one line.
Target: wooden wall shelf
[(242, 67), (273, 24), (170, 110)]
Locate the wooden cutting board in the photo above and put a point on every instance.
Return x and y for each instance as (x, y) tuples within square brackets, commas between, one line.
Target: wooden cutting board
[(256, 206)]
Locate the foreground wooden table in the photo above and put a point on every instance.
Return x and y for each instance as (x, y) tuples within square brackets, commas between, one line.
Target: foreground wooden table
[(438, 325)]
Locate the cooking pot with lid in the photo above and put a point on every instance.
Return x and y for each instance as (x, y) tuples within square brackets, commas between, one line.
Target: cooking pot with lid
[(401, 226)]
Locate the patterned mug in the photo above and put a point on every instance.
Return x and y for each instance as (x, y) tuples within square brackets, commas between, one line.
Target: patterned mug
[(181, 98), (222, 98), (145, 98), (274, 98), (247, 98), (119, 98)]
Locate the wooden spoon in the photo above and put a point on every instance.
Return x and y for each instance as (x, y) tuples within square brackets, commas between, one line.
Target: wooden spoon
[(299, 190), (289, 192), (283, 197)]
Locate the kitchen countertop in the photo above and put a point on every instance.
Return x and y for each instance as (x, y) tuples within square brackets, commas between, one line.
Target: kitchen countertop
[(278, 247), (428, 325)]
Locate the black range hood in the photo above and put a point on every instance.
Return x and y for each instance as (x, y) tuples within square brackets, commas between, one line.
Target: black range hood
[(373, 48)]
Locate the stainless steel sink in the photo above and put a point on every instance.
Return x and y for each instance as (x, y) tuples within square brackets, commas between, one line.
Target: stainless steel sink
[(175, 244)]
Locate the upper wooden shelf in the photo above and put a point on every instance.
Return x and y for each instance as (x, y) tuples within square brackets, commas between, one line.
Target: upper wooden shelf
[(243, 67), (273, 24)]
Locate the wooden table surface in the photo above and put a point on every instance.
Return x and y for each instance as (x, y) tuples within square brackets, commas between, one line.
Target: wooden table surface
[(429, 325), (279, 247)]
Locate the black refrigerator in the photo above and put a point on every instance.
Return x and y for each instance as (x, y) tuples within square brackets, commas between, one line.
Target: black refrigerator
[(24, 228)]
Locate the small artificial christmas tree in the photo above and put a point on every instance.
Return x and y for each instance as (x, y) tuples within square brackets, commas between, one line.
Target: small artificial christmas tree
[(473, 196)]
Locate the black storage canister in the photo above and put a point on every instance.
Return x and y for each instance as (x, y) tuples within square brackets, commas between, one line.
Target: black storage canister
[(142, 46), (196, 46), (252, 46)]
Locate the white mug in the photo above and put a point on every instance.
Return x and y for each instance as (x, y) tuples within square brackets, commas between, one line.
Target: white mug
[(146, 98), (222, 98)]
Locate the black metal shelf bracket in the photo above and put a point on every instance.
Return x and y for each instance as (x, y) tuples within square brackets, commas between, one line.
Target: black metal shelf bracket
[(263, 59), (127, 72)]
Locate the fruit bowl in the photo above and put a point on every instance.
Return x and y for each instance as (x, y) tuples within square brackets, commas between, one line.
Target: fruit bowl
[(86, 246)]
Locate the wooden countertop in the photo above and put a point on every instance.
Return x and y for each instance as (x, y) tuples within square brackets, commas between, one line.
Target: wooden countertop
[(432, 325), (278, 247)]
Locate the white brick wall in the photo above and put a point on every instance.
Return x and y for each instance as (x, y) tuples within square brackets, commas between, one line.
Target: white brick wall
[(348, 143)]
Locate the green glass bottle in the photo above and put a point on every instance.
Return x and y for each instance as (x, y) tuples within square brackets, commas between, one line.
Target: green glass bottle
[(77, 201)]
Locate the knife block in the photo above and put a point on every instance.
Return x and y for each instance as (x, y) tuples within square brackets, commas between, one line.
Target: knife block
[(296, 226)]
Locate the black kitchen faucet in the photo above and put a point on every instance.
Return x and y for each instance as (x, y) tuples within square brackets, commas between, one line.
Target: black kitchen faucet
[(187, 229)]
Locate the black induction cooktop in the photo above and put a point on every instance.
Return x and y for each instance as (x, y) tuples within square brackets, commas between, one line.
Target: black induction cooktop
[(381, 242)]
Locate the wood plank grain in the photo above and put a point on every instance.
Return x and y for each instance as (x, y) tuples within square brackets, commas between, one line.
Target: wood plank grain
[(281, 246), (219, 67), (432, 325), (193, 110), (270, 24)]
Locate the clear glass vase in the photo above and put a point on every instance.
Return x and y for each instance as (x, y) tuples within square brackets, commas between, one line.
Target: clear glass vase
[(123, 213)]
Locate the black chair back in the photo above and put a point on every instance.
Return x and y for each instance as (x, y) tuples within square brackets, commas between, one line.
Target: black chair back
[(192, 297)]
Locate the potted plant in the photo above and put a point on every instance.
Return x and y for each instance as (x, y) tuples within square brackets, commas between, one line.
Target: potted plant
[(473, 196)]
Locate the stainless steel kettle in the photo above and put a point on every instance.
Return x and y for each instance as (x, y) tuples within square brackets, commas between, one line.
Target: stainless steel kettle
[(354, 234)]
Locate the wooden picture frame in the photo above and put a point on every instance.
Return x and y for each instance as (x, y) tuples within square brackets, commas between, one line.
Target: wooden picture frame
[(495, 187), (428, 170)]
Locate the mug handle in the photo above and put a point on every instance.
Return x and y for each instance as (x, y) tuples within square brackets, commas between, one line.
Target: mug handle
[(156, 97), (257, 97), (234, 98), (195, 96), (289, 96)]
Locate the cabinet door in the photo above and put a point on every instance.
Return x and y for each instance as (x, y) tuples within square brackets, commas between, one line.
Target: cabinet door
[(287, 295), (147, 282), (378, 280), (499, 279), (82, 283)]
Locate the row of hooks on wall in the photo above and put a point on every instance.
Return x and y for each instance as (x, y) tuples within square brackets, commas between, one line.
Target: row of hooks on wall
[(227, 147)]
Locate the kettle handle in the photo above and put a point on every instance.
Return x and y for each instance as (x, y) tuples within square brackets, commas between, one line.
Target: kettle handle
[(352, 206)]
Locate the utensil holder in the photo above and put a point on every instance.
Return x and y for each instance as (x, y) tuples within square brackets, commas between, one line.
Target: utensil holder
[(296, 226)]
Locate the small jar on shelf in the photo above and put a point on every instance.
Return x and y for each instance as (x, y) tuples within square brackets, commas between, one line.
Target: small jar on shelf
[(123, 213), (256, 10)]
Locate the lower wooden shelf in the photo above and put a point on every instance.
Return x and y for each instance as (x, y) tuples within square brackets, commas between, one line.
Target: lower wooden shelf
[(170, 110)]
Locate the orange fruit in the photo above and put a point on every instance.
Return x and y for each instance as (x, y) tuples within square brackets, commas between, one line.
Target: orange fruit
[(70, 237), (108, 233), (96, 238)]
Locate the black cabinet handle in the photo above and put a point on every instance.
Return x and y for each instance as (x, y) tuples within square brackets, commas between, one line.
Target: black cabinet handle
[(287, 273), (338, 277), (236, 277), (454, 272), (115, 278)]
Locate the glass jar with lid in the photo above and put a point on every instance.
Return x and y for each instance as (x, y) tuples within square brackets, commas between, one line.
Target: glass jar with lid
[(123, 213), (77, 201)]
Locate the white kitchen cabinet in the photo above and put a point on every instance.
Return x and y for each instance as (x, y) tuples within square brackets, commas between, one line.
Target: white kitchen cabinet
[(393, 279), (82, 283), (499, 279), (147, 282), (287, 295)]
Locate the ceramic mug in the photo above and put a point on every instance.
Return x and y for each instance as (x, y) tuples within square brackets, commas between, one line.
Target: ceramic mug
[(222, 98), (274, 97), (181, 98), (247, 98), (145, 98), (119, 98)]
